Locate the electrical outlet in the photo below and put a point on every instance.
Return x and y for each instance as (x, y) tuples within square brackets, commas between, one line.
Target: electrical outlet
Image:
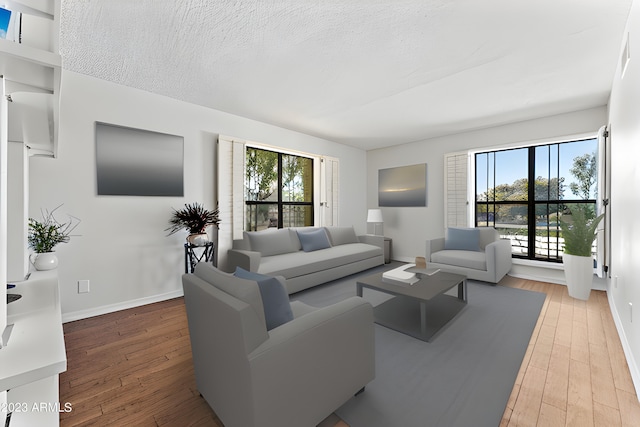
[(83, 286), (631, 312)]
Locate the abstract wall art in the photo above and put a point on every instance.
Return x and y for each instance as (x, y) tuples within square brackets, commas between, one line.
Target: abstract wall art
[(136, 162), (403, 186)]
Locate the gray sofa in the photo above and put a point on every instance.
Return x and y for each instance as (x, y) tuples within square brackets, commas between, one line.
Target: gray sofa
[(280, 252), (479, 253), (295, 374)]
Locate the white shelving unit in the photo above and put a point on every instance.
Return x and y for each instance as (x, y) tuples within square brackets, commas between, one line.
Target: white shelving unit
[(30, 70), (30, 66)]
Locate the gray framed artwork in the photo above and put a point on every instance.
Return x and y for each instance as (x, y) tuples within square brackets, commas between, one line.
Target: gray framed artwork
[(136, 162), (403, 186)]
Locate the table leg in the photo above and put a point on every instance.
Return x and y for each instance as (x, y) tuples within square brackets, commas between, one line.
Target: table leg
[(462, 290), (359, 289), (423, 318)]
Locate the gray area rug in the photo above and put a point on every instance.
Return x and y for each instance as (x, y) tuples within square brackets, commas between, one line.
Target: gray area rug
[(463, 377)]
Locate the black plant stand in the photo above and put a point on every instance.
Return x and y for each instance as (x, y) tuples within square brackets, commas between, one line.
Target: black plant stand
[(195, 254)]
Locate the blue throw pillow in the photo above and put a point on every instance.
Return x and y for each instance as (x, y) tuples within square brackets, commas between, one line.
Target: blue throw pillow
[(462, 239), (275, 300), (314, 240)]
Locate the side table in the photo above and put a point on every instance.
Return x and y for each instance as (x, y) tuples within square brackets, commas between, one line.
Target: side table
[(195, 254), (387, 250)]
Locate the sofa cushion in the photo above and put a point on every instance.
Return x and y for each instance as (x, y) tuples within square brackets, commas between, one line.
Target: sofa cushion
[(314, 240), (275, 299), (487, 235), (242, 289), (301, 263), (468, 259), (462, 239), (272, 241), (342, 235)]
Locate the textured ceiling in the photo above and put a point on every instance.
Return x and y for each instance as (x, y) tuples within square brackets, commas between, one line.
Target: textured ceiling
[(364, 73)]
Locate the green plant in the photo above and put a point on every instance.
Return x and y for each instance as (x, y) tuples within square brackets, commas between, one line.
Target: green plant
[(194, 217), (580, 232), (44, 235)]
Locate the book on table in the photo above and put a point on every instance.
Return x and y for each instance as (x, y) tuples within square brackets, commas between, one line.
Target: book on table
[(407, 274)]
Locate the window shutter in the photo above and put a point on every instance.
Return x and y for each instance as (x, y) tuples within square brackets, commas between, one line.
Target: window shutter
[(231, 158), (456, 206), (602, 203), (329, 191)]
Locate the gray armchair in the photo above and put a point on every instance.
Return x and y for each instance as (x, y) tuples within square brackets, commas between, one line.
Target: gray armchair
[(477, 252), (295, 374)]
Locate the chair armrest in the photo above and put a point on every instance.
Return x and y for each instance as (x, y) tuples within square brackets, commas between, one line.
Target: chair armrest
[(372, 239), (499, 259), (433, 246), (353, 311), (249, 260), (327, 352)]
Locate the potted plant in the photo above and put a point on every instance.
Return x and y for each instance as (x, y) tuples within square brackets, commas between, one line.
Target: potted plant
[(44, 236), (579, 233), (195, 219)]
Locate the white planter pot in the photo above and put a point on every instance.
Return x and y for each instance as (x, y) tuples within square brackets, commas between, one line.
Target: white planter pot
[(198, 239), (44, 261), (578, 272)]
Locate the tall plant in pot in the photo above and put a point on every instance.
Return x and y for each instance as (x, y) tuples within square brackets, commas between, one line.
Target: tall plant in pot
[(579, 232), (45, 235), (195, 219)]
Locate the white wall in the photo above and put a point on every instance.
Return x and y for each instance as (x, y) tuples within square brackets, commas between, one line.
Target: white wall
[(122, 248), (624, 114), (409, 227)]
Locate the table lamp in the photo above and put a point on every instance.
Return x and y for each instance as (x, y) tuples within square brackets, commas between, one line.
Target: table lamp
[(374, 216)]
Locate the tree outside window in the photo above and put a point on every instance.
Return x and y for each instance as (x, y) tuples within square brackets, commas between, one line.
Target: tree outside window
[(522, 192), (278, 190)]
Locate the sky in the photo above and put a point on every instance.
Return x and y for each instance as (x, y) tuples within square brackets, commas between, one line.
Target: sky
[(4, 22), (511, 165)]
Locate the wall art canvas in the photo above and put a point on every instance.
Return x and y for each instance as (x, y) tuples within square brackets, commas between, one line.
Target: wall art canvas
[(403, 186), (136, 162)]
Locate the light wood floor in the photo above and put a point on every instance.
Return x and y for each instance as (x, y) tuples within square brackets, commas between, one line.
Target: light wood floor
[(134, 367), (574, 372)]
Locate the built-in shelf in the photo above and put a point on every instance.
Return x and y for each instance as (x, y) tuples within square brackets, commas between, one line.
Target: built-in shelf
[(15, 52)]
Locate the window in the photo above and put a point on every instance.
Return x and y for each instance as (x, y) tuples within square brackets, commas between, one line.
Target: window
[(522, 192), (278, 190)]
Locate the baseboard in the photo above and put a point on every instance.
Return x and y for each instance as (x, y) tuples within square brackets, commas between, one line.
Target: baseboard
[(404, 259), (536, 278), (105, 309), (633, 367)]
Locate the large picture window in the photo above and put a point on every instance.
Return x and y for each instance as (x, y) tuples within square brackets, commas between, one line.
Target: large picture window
[(278, 190), (523, 191)]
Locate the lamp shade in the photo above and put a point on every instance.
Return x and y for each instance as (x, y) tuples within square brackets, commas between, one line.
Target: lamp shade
[(375, 215)]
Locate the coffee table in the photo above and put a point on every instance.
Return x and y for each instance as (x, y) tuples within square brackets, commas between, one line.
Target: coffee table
[(421, 309)]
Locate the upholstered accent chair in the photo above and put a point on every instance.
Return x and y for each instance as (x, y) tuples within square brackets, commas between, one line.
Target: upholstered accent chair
[(477, 252), (296, 373)]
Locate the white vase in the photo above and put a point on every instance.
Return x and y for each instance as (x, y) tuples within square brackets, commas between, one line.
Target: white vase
[(44, 261), (578, 272), (198, 239)]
